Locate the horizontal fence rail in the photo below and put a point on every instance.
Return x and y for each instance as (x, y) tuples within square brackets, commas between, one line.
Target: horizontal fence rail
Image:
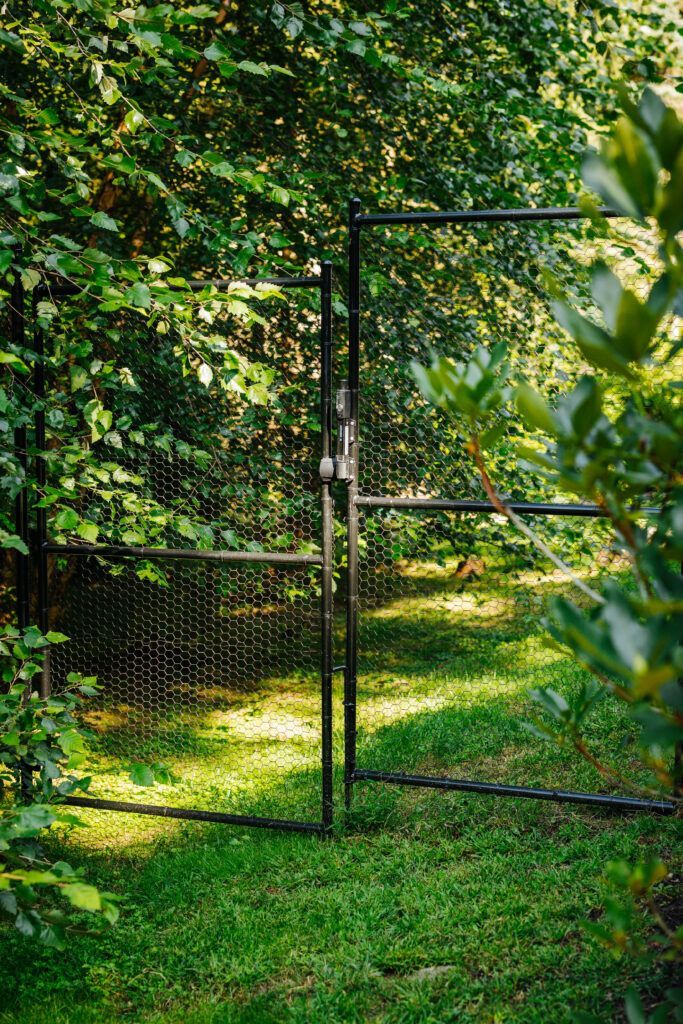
[(514, 215), (523, 508), (191, 554), (161, 811), (619, 803)]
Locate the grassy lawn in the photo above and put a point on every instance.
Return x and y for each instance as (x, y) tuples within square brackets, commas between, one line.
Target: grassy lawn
[(429, 907)]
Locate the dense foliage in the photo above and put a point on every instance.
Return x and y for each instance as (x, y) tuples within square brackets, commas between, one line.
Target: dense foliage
[(151, 144), (42, 746), (144, 146)]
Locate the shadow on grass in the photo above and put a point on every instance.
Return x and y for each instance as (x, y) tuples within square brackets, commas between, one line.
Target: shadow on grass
[(442, 687)]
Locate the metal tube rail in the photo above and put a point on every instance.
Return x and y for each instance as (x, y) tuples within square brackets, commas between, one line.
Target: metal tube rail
[(161, 811), (350, 661), (278, 282), (121, 551), (326, 545), (621, 803), (66, 288), (21, 501), (523, 508), (479, 216)]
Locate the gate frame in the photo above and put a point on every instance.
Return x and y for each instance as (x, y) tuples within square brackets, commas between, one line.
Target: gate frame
[(42, 548), (353, 774)]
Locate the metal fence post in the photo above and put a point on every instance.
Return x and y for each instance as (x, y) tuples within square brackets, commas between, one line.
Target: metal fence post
[(18, 336), (21, 524), (350, 671), (41, 513), (327, 545)]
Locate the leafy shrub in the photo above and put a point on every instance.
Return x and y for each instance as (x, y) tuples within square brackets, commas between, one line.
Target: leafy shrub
[(41, 747)]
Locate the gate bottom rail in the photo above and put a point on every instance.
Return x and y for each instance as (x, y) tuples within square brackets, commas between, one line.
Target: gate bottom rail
[(619, 803), (162, 811)]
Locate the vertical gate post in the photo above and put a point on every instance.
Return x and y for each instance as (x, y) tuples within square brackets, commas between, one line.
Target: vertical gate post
[(327, 545), (350, 671), (41, 513), (18, 336), (21, 502)]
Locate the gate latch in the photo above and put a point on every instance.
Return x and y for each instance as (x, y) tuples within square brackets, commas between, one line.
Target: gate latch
[(346, 434)]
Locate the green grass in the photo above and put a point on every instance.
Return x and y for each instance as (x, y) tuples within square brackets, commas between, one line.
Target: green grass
[(428, 908)]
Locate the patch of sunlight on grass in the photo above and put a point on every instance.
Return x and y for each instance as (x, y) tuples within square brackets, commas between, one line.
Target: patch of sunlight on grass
[(119, 833), (409, 698), (532, 653), (253, 725), (228, 758), (472, 604)]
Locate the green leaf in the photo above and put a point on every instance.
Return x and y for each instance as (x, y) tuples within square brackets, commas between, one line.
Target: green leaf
[(157, 266), (55, 637), (293, 27), (103, 220), (278, 240), (83, 896), (67, 519), (71, 742), (280, 195), (15, 542), (253, 69), (205, 374), (141, 775), (10, 359), (217, 51), (79, 377), (133, 120), (595, 343), (88, 531), (534, 409), (633, 1004), (139, 295)]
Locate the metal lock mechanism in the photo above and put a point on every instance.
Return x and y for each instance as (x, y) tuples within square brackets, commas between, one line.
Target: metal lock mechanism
[(346, 433)]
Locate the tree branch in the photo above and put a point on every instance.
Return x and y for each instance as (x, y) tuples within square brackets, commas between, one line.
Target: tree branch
[(499, 505)]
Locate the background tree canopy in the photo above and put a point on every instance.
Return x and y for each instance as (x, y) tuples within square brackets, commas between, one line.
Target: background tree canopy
[(146, 145)]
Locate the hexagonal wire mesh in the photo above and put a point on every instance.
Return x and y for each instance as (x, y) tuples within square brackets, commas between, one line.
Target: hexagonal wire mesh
[(446, 636), (199, 609)]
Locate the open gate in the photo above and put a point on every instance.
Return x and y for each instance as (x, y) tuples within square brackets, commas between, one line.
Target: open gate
[(442, 645), (212, 634)]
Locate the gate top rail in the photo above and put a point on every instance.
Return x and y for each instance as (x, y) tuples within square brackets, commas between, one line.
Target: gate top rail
[(478, 216), (191, 554), (529, 508)]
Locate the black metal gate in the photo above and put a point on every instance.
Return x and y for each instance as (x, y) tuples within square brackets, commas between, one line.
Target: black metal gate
[(441, 646), (213, 633)]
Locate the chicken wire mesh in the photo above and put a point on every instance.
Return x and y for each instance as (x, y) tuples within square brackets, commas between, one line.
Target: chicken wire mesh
[(209, 671), (214, 676), (451, 604)]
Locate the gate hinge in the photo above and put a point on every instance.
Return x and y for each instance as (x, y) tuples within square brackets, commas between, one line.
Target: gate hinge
[(346, 434), (327, 467)]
